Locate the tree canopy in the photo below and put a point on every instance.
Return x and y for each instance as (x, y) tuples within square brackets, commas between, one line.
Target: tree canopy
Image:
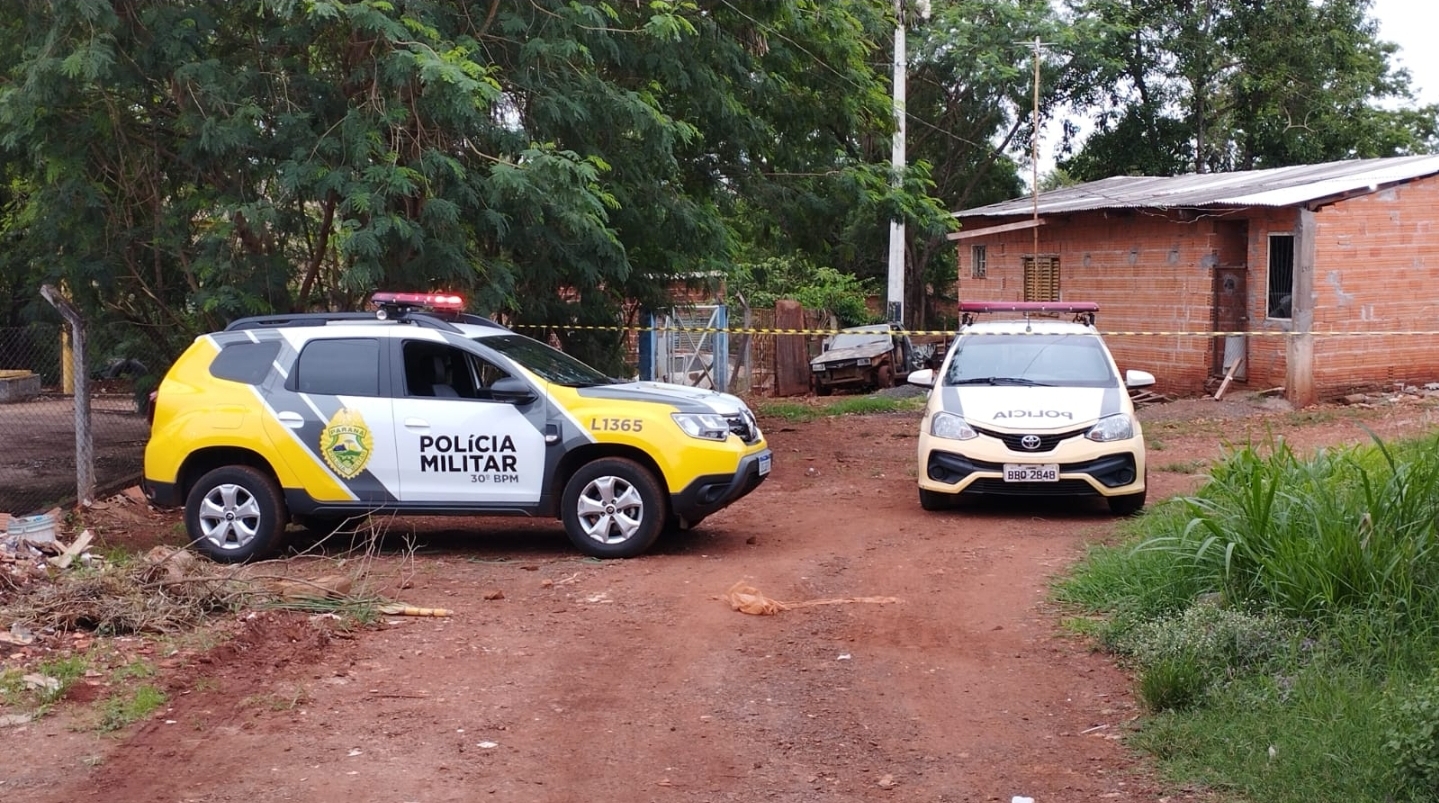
[(179, 163)]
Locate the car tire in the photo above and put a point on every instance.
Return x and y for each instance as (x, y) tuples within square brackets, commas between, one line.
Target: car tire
[(1127, 505), (935, 500), (822, 390), (613, 508), (235, 514), (884, 377)]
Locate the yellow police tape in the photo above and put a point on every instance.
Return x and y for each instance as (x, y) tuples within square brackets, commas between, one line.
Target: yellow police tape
[(953, 333)]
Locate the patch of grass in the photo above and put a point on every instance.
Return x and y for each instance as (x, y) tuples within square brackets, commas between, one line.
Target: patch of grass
[(1282, 623), (121, 709), (802, 411), (136, 669), (1182, 467)]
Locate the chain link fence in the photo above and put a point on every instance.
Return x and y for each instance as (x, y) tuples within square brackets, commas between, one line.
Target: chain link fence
[(39, 468)]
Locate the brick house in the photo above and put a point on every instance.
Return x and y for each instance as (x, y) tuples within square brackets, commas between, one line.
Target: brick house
[(1316, 263)]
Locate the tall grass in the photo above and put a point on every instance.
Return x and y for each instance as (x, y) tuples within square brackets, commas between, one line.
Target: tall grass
[(1344, 529), (1291, 603)]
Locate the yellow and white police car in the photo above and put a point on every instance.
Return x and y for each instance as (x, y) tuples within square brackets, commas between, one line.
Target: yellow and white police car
[(422, 409), (1032, 406)]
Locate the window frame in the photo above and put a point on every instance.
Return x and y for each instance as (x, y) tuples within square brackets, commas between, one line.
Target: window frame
[(1273, 300), (978, 261)]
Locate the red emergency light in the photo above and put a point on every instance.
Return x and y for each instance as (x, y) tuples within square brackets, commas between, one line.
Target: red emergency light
[(392, 304), (1083, 311)]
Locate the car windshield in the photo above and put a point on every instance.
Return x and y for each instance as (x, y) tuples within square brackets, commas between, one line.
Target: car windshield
[(849, 340), (1076, 361), (550, 364)]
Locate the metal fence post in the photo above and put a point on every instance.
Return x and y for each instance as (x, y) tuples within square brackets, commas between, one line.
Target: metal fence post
[(647, 348), (720, 348), (84, 437)]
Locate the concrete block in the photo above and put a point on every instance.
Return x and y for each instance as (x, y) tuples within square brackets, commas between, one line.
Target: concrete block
[(18, 386)]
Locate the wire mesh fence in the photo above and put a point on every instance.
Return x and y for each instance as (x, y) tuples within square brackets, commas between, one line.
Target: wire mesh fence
[(38, 440)]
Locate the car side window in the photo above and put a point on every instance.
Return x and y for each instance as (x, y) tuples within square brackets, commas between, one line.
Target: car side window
[(339, 367), (437, 370), (246, 362)]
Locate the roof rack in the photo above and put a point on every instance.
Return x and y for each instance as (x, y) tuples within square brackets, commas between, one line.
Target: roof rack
[(1083, 311)]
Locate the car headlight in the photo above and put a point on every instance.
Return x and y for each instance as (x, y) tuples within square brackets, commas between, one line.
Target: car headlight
[(1116, 427), (862, 361), (951, 426), (706, 426)]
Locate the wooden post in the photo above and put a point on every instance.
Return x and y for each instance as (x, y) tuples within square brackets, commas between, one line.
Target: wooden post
[(791, 359)]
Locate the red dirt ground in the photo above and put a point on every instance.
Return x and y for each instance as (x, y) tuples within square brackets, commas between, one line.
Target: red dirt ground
[(565, 679)]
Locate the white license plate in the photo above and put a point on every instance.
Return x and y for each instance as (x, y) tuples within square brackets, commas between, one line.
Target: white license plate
[(1031, 472), (764, 461)]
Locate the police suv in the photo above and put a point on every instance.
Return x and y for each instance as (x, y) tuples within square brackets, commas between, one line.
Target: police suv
[(1032, 406), (421, 409)]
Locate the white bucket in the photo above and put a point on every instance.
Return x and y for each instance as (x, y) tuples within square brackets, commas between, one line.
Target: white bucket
[(32, 528)]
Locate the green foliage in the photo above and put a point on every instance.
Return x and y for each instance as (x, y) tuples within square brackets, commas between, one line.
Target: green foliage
[(822, 288), (1414, 739), (184, 163), (126, 707), (797, 412), (1237, 85), (1347, 528), (1281, 619)]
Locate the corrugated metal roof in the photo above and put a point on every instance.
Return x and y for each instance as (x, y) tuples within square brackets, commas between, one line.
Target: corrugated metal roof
[(1279, 186)]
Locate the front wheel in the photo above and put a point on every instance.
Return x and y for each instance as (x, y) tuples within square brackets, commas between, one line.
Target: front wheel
[(935, 500), (884, 377), (234, 514), (613, 508), (1126, 505)]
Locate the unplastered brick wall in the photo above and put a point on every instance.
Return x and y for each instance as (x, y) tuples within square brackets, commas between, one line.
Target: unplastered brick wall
[(1377, 270), (1148, 271)]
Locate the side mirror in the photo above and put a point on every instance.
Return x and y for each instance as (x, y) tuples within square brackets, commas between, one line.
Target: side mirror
[(924, 377), (1138, 379), (512, 389)]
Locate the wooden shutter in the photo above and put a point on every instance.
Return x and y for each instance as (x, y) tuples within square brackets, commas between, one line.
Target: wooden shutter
[(1041, 278)]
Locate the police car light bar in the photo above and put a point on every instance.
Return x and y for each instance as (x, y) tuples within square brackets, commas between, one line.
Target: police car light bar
[(1083, 311), (395, 304), (1028, 306)]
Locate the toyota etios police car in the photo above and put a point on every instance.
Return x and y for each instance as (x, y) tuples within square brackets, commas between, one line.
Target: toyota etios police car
[(1031, 407), (422, 409)]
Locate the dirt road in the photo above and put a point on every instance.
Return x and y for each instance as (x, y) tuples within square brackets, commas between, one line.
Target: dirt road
[(565, 679)]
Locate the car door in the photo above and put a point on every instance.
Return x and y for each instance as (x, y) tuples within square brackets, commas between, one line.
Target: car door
[(458, 446), (335, 403)]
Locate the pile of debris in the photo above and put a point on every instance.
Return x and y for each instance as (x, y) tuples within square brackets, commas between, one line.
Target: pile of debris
[(33, 554), (1401, 393)]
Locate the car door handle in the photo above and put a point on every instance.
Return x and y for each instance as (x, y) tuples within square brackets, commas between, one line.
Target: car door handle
[(417, 423), (291, 419)]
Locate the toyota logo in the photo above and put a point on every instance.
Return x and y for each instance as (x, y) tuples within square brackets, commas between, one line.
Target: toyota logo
[(1030, 442)]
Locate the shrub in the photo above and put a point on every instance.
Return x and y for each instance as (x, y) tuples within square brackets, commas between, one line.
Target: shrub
[(1414, 740)]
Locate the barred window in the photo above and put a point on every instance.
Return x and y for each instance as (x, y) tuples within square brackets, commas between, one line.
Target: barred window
[(1281, 276), (978, 262)]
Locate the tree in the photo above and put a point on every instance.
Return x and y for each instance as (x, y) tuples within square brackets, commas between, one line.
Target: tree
[(1215, 85), (182, 162)]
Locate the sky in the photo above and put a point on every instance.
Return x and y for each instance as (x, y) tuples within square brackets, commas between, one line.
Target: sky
[(1409, 24)]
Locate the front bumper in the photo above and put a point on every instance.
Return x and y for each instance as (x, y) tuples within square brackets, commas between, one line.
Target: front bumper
[(1085, 468), (714, 492)]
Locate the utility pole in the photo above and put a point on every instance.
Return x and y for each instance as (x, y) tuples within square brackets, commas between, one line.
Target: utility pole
[(894, 309), (1038, 47)]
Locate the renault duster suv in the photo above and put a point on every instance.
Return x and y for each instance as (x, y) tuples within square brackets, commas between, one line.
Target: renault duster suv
[(1032, 406), (421, 409)]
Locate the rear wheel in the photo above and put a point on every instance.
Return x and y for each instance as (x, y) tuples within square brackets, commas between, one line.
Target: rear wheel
[(235, 514), (935, 500), (613, 508)]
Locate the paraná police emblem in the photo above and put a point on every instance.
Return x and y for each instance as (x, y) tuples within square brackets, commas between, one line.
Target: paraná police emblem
[(346, 443)]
